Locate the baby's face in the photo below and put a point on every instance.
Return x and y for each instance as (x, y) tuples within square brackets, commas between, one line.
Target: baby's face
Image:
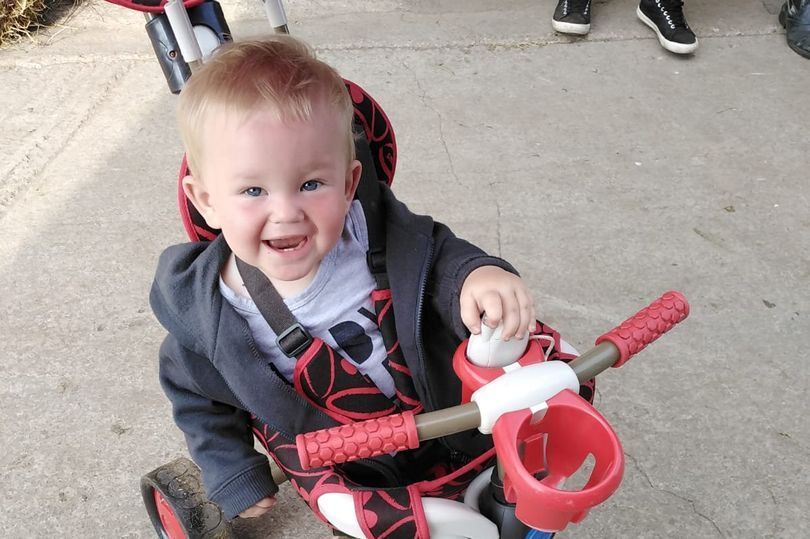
[(279, 192)]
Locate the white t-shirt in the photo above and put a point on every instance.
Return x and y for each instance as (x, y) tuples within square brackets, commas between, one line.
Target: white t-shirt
[(336, 307)]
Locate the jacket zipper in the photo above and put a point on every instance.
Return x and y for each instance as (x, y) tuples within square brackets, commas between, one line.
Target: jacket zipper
[(455, 454), (419, 306)]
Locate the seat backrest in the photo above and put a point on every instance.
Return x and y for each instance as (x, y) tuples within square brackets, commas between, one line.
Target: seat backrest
[(371, 123)]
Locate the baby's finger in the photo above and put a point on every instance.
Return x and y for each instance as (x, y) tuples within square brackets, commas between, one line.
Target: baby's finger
[(470, 314), (259, 508), (528, 317), (520, 319), (490, 305), (511, 317), (254, 511)]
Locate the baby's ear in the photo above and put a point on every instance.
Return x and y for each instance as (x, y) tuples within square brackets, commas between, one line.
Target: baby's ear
[(196, 192), (353, 179)]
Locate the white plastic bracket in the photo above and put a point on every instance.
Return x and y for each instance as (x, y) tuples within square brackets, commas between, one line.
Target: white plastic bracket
[(522, 388)]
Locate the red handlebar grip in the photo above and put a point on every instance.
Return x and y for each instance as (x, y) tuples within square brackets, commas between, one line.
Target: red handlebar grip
[(357, 440), (632, 335)]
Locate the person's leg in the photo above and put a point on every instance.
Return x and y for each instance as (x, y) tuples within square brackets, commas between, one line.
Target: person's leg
[(572, 17), (795, 17), (667, 20)]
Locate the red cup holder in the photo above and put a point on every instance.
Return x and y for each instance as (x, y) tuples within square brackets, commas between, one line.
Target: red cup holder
[(554, 448)]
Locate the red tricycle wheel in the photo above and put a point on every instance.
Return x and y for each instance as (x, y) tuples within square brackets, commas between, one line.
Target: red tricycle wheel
[(177, 506), (171, 526)]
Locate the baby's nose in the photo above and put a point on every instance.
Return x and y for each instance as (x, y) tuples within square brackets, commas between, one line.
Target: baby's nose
[(284, 209)]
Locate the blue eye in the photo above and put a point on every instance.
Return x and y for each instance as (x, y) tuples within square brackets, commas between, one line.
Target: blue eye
[(253, 191), (311, 185)]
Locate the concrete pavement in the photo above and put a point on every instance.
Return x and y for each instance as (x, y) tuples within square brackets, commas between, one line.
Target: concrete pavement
[(605, 169)]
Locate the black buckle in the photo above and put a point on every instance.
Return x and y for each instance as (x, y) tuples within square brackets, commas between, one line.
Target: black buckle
[(376, 264), (376, 261), (294, 340)]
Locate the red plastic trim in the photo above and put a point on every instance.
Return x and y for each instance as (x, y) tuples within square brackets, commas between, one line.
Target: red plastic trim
[(136, 6), (474, 377), (631, 336), (357, 440), (168, 519)]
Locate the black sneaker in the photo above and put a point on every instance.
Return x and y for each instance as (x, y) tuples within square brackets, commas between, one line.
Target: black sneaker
[(795, 18), (572, 17), (666, 18)]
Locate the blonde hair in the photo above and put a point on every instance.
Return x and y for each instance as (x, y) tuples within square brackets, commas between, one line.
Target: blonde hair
[(278, 73)]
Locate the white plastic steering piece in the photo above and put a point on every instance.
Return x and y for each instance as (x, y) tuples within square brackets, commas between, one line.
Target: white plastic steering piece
[(487, 349)]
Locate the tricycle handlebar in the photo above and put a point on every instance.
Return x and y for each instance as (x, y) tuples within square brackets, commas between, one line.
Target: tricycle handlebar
[(396, 432)]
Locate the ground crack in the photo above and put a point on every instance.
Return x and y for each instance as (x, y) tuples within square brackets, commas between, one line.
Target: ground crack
[(691, 502), (498, 227), (424, 100), (504, 44)]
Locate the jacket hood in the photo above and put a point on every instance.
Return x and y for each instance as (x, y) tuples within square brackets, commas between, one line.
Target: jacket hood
[(185, 293)]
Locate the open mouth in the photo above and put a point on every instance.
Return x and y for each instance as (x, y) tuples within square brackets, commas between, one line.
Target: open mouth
[(287, 245)]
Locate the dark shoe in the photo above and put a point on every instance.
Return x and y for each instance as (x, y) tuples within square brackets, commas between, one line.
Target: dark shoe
[(795, 18), (666, 19), (572, 17)]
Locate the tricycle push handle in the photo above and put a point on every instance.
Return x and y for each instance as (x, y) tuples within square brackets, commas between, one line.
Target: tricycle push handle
[(632, 335), (617, 346)]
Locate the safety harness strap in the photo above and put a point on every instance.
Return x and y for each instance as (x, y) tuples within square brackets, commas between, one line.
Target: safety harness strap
[(291, 338), (368, 192)]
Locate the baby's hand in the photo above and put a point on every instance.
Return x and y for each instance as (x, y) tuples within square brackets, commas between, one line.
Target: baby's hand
[(259, 508), (501, 296)]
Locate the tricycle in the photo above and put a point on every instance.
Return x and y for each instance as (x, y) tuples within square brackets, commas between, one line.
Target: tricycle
[(554, 457)]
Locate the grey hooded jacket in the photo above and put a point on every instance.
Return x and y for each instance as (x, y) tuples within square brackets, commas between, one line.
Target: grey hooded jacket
[(214, 377)]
